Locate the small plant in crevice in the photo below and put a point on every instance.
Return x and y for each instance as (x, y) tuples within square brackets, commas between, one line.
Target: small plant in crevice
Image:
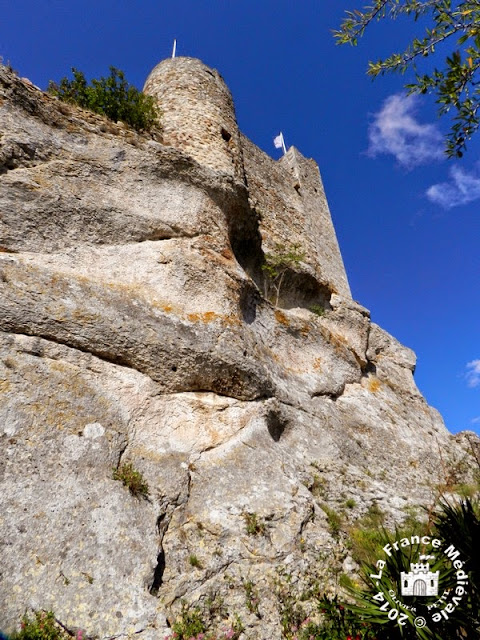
[(292, 613), (189, 624), (334, 520), (194, 561), (318, 487), (345, 581), (192, 624), (252, 599), (132, 479), (317, 309), (276, 266), (42, 625), (66, 581), (215, 606), (255, 526), (374, 516)]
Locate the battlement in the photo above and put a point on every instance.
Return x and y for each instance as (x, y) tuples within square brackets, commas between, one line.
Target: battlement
[(198, 117), (418, 567)]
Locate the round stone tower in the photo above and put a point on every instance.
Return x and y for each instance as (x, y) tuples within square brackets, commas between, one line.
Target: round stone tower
[(198, 116)]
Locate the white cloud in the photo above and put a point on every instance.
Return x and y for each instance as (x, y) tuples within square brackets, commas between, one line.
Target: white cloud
[(473, 373), (396, 131), (463, 188), (475, 420)]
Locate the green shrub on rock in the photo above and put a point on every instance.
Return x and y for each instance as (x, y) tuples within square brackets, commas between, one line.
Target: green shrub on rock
[(111, 96), (42, 626)]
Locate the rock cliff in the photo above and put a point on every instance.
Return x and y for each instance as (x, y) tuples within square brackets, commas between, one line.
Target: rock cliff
[(135, 327)]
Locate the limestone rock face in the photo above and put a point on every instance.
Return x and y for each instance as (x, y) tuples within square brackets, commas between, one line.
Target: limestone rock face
[(134, 328)]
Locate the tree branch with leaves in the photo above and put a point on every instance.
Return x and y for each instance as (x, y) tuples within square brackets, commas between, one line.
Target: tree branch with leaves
[(277, 264), (452, 25)]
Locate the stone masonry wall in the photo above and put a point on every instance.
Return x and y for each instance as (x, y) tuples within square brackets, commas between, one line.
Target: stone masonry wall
[(198, 118), (289, 198), (198, 115), (318, 221)]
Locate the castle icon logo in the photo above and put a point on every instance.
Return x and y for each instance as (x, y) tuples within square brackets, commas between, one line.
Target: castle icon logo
[(420, 581)]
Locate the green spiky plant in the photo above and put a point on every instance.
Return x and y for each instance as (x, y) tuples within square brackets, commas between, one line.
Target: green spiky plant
[(375, 600), (338, 622), (457, 524)]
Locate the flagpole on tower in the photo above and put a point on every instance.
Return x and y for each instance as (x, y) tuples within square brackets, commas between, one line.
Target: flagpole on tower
[(174, 48)]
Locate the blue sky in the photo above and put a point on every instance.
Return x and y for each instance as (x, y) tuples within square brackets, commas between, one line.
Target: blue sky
[(408, 220)]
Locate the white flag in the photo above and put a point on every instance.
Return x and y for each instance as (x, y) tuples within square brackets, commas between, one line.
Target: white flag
[(278, 141)]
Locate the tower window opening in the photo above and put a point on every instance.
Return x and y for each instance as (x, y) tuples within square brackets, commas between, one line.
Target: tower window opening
[(225, 135)]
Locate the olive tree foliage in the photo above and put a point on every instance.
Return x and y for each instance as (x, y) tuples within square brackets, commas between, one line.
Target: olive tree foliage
[(452, 27), (111, 96)]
